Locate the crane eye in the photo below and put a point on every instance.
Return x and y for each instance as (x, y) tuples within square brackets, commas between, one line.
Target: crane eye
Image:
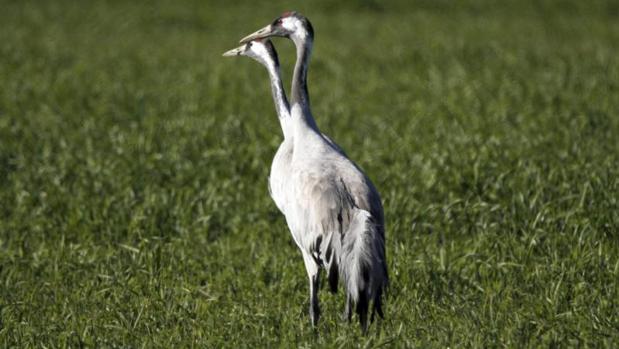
[(278, 21)]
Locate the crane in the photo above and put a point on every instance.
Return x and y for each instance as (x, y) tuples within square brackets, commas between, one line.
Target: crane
[(264, 53), (332, 209)]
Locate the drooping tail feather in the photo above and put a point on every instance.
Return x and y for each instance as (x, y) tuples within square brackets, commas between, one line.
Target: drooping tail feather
[(363, 267)]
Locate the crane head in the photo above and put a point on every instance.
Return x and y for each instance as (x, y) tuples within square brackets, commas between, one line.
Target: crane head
[(292, 25), (261, 50)]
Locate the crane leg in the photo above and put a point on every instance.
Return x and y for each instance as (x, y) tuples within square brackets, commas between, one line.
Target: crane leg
[(313, 273), (347, 309)]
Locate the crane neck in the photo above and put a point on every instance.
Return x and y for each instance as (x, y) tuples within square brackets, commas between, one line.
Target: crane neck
[(299, 93), (279, 97)]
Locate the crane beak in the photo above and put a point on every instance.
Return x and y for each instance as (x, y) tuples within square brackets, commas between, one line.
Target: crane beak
[(260, 34), (234, 52)]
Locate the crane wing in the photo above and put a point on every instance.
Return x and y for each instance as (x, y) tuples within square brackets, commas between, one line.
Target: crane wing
[(327, 200)]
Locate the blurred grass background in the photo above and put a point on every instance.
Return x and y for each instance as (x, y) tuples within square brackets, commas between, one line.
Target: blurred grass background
[(134, 209)]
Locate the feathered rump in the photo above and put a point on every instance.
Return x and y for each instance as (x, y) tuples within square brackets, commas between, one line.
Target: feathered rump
[(362, 264), (345, 239)]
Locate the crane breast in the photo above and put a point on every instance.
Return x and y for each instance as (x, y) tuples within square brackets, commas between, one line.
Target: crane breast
[(280, 176)]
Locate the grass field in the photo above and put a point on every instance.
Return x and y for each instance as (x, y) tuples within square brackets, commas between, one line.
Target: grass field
[(134, 209)]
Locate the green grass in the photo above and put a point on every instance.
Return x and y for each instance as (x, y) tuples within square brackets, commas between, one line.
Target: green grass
[(134, 208)]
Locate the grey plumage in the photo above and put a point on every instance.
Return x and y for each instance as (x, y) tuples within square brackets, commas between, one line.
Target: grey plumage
[(332, 209)]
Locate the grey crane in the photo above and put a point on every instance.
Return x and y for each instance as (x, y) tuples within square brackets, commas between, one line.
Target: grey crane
[(332, 209)]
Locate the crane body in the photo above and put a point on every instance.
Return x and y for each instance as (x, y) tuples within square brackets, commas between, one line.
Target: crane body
[(332, 209)]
